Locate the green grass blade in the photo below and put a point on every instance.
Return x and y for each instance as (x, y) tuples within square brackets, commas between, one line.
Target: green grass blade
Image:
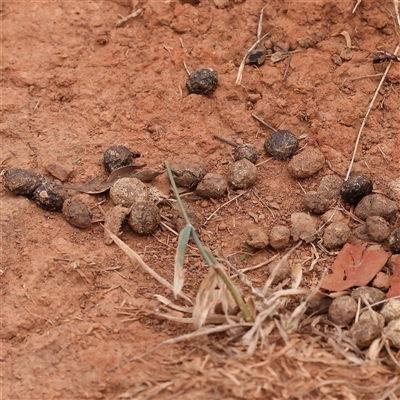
[(179, 274)]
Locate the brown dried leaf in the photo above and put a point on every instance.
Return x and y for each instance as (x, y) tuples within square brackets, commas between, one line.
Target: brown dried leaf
[(354, 266)]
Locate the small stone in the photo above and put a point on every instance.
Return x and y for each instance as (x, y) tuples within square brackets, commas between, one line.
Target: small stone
[(381, 281), (394, 191), (369, 294), (346, 54), (144, 217), (212, 186), (279, 237), (49, 196), (342, 310), (21, 182), (257, 56), (378, 228), (373, 317), (376, 204), (202, 81), (221, 3), (284, 270), (364, 333), (354, 189), (394, 241), (188, 172), (281, 145), (77, 213), (316, 202), (307, 163), (391, 310), (117, 157), (336, 235), (246, 151), (304, 227), (128, 191), (392, 332), (242, 174), (330, 186), (333, 216), (114, 219), (257, 239), (319, 305), (59, 171)]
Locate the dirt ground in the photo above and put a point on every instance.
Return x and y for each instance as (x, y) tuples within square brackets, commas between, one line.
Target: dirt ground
[(74, 84)]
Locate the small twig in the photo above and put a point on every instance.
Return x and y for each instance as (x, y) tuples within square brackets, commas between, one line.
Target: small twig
[(355, 7), (367, 114), (259, 29), (264, 123), (186, 68), (122, 21), (223, 205), (227, 141), (363, 77), (287, 66), (396, 10)]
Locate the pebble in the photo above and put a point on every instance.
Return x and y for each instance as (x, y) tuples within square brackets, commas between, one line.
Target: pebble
[(391, 310), (343, 310), (144, 217), (242, 174), (319, 305), (304, 227), (77, 213), (364, 333), (59, 171), (246, 151), (370, 294), (330, 186), (392, 332), (189, 172), (377, 228), (354, 189), (257, 238), (307, 163), (394, 191), (203, 81), (20, 181), (281, 145), (381, 281), (394, 241), (336, 235), (128, 191), (283, 272), (373, 317), (333, 216), (316, 202), (49, 196), (279, 237), (212, 186), (376, 204)]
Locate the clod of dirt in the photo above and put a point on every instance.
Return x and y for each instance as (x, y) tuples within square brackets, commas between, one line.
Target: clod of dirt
[(373, 317), (20, 181), (257, 56), (77, 213), (381, 281), (202, 81), (394, 190), (342, 310), (394, 242), (319, 306), (378, 228), (212, 186), (49, 196), (114, 219), (117, 156), (281, 145), (144, 217), (391, 310), (283, 272), (279, 237), (364, 333), (257, 238), (59, 171), (392, 332), (333, 216), (188, 172), (178, 219), (128, 191), (369, 294), (246, 151), (336, 235), (304, 227), (307, 163), (330, 186), (354, 189), (242, 174), (376, 204), (316, 202)]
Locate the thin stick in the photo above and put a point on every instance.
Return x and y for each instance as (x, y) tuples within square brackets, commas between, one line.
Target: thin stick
[(122, 21), (259, 29), (222, 139), (264, 123), (242, 64), (287, 66), (367, 114), (223, 205), (355, 7), (186, 68), (396, 9)]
